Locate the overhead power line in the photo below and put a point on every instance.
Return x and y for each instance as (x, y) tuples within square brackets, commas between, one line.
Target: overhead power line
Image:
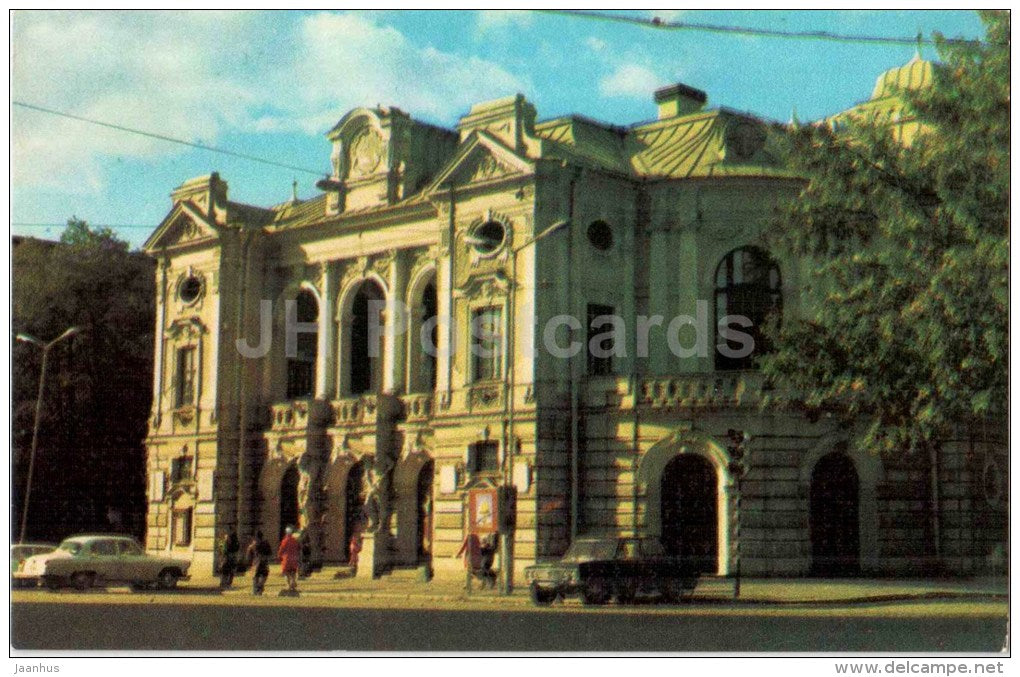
[(170, 139), (656, 22), (35, 224)]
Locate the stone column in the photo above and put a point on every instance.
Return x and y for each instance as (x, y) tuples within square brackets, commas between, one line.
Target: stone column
[(444, 308), (662, 279), (523, 321), (394, 357), (325, 367), (161, 313)]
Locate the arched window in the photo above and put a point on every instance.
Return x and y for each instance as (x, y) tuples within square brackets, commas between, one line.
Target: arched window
[(301, 364), (748, 289), (364, 358), (423, 337)]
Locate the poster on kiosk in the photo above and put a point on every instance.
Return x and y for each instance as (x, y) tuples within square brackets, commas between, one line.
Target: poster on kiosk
[(483, 511)]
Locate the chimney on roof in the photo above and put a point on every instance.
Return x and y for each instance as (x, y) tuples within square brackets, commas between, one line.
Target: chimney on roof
[(679, 99)]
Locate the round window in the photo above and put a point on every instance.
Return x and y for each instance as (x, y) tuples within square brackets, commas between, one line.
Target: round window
[(600, 234), (190, 289), (488, 237)]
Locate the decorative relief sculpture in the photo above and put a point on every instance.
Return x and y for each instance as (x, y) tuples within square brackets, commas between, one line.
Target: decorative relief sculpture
[(372, 505), (353, 270), (379, 498), (366, 152), (383, 263), (189, 230), (488, 168), (309, 469), (185, 328), (489, 288)]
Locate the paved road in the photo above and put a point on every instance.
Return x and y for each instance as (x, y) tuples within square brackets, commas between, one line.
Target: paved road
[(195, 625)]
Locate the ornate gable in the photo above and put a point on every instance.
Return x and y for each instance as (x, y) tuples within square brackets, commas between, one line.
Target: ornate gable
[(484, 167), (480, 159), (184, 225)]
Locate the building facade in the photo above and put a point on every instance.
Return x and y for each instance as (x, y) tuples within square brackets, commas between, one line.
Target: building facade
[(294, 383)]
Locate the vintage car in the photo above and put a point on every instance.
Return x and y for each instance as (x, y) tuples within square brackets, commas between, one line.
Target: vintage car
[(84, 561), (598, 569), (22, 551)]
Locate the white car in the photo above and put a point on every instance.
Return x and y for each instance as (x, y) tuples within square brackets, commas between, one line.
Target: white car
[(84, 561), (22, 551)]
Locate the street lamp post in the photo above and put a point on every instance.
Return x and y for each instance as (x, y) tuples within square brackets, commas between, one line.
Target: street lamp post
[(509, 443), (71, 331), (510, 389)]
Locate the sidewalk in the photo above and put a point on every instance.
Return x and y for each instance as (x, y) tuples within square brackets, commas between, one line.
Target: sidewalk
[(754, 591)]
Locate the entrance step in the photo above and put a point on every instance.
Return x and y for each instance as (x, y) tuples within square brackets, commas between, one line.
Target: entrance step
[(404, 574), (334, 571)]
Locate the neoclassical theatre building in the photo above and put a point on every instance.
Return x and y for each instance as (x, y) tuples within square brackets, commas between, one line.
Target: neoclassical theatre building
[(293, 384)]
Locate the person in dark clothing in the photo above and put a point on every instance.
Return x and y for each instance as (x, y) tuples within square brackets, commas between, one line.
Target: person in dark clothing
[(488, 551), (231, 546), (305, 568), (259, 553), (479, 555)]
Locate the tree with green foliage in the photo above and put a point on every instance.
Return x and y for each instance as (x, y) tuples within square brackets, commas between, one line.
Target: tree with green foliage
[(904, 328), (90, 465)]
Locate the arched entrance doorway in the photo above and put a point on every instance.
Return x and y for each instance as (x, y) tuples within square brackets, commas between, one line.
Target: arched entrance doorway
[(366, 349), (289, 510), (412, 487), (344, 486), (690, 519), (835, 517), (353, 500)]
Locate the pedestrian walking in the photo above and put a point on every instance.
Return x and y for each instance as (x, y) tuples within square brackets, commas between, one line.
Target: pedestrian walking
[(259, 552), (228, 565), (354, 548), (471, 548), (305, 569), (289, 553), (488, 557)]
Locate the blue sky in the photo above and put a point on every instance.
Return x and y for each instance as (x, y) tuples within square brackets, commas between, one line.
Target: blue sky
[(271, 84)]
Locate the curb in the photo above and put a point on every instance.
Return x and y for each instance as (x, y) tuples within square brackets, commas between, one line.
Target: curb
[(841, 601), (693, 602)]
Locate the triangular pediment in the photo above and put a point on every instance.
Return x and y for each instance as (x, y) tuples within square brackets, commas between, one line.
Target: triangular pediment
[(481, 158), (184, 225)]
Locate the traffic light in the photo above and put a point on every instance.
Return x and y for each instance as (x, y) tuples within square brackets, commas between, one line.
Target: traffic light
[(739, 462)]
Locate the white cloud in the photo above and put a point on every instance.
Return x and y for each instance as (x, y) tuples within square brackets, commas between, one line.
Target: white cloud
[(499, 19), (346, 60), (196, 76), (595, 44), (631, 80), (159, 72)]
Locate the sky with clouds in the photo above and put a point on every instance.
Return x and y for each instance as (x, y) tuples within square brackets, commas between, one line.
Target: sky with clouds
[(270, 84)]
